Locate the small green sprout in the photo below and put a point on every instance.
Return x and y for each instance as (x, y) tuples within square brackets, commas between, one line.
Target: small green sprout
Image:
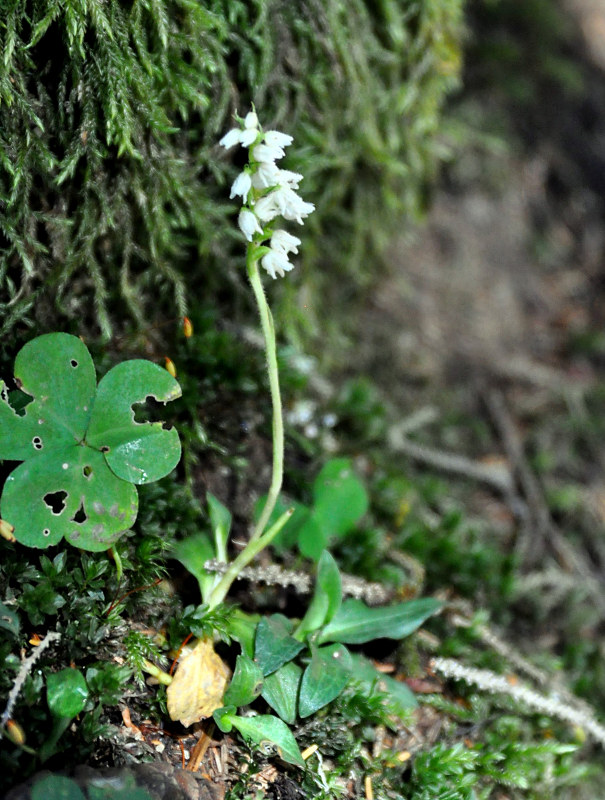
[(81, 448)]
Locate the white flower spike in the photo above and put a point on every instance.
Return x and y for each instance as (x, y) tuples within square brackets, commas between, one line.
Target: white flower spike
[(267, 192)]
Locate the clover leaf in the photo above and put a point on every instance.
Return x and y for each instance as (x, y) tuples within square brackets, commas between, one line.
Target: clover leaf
[(81, 448)]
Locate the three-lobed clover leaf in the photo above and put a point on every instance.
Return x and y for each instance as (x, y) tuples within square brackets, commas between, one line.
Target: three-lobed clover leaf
[(82, 450)]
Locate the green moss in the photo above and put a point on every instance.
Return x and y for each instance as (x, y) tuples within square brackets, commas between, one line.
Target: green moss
[(112, 186)]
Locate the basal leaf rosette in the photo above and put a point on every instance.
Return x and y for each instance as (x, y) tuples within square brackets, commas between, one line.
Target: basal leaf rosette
[(81, 448)]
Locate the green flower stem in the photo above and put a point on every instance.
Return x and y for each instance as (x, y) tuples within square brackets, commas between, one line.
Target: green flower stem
[(268, 329), (249, 552)]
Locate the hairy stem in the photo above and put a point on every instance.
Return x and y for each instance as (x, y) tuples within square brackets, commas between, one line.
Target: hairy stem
[(268, 329)]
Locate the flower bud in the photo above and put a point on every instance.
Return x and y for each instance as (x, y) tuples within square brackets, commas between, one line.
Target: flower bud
[(248, 223)]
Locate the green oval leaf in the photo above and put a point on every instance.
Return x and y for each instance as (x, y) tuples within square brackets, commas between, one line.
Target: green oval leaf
[(274, 645), (340, 498), (312, 538), (136, 452), (66, 693), (246, 683), (270, 732), (324, 678), (280, 690), (356, 623), (400, 697)]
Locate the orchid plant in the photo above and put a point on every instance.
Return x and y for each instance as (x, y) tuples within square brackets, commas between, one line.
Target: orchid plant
[(297, 666), (267, 193)]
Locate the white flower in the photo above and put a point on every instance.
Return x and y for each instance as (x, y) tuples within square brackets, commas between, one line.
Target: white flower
[(266, 175), (265, 152), (251, 120), (230, 138), (290, 205), (275, 261), (266, 208), (241, 186), (291, 179), (248, 137), (284, 242), (277, 139), (248, 223)]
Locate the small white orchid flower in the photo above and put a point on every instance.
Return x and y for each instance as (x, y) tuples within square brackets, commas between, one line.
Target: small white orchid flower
[(276, 262), (291, 179), (241, 186), (265, 152), (290, 205), (266, 208), (277, 139), (231, 138), (284, 242), (248, 137), (248, 223), (266, 175)]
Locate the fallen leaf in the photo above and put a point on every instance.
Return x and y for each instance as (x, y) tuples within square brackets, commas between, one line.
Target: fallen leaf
[(198, 685)]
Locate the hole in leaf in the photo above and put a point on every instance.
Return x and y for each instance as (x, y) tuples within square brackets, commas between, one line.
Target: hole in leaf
[(37, 443), (105, 449), (87, 471), (148, 410), (73, 363), (46, 532), (80, 515), (56, 501)]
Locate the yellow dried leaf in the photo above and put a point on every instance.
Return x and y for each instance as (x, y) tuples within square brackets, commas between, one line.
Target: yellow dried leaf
[(198, 685)]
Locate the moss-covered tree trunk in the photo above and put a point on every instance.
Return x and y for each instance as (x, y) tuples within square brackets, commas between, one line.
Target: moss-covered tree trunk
[(111, 204)]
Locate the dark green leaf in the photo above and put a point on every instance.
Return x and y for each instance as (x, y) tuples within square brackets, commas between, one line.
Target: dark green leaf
[(274, 645), (270, 733), (246, 683), (66, 692), (324, 678), (401, 697), (355, 623), (280, 690)]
